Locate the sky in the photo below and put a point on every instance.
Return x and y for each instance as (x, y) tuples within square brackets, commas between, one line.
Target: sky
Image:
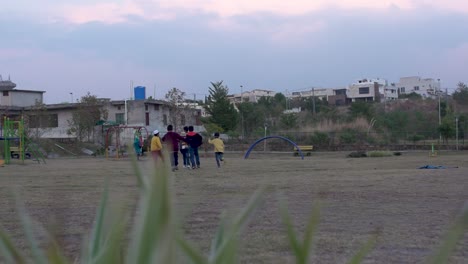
[(69, 48)]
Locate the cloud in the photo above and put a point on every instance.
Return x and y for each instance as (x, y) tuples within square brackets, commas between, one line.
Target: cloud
[(120, 11), (196, 44), (81, 73), (453, 64)]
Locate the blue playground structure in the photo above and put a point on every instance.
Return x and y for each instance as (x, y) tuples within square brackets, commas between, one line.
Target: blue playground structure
[(265, 138)]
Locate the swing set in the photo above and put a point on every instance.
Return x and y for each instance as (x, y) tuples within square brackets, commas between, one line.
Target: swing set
[(118, 139)]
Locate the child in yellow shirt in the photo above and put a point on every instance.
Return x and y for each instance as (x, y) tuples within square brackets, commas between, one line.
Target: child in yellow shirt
[(218, 148), (156, 147)]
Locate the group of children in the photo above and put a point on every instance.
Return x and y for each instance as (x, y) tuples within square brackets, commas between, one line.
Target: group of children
[(187, 143)]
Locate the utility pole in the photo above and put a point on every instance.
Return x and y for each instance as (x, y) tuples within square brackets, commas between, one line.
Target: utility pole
[(456, 130), (242, 112), (313, 100), (440, 134)]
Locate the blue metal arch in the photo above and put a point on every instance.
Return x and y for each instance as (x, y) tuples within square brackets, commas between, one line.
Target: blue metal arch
[(265, 138)]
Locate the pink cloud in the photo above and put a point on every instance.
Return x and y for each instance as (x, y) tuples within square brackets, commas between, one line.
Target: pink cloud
[(111, 12), (12, 53)]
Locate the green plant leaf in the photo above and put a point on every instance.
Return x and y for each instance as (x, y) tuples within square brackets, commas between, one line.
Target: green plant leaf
[(55, 254), (97, 235), (454, 235), (27, 224), (296, 247), (8, 249), (228, 247), (142, 183), (195, 256), (154, 233), (309, 232), (364, 250)]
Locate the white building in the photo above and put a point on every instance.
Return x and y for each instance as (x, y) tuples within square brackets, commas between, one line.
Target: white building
[(9, 96), (251, 96), (372, 90), (427, 88), (320, 93)]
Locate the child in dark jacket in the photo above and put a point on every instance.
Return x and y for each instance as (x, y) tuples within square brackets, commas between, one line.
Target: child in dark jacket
[(172, 139), (194, 141)]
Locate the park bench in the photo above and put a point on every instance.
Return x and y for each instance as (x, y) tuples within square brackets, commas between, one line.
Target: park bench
[(306, 149)]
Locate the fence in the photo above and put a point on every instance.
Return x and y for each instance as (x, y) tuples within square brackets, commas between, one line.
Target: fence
[(352, 140)]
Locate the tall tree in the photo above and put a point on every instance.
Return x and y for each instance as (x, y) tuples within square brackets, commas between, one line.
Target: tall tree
[(88, 112), (254, 117), (176, 99), (221, 110), (461, 94)]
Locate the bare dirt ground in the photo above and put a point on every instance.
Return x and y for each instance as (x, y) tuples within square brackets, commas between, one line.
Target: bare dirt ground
[(412, 208)]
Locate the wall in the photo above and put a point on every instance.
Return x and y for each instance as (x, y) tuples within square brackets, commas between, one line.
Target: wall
[(353, 92), (20, 98), (427, 87), (5, 100), (63, 116)]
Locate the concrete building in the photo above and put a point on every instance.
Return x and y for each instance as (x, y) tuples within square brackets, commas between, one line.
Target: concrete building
[(318, 93), (371, 90), (426, 87), (11, 97), (251, 96), (148, 113), (339, 97)]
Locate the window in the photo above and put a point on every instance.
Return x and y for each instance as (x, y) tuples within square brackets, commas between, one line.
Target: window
[(156, 107), (119, 107), (416, 88), (5, 93), (364, 90), (43, 121), (120, 118), (165, 119), (147, 122), (146, 107), (402, 89)]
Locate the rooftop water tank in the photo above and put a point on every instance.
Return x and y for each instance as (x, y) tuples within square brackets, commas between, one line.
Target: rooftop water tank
[(140, 93)]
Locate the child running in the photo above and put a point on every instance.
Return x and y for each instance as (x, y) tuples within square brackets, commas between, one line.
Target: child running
[(156, 147), (218, 148)]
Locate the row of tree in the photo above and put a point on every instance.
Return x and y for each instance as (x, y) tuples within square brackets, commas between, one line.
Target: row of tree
[(410, 119), (413, 118)]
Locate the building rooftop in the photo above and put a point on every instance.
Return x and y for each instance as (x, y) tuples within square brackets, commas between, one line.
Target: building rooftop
[(6, 85)]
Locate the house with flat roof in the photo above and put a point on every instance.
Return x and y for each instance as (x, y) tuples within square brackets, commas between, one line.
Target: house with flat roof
[(426, 87), (12, 97)]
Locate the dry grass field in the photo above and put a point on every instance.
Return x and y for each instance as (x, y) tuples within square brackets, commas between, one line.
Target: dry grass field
[(409, 208)]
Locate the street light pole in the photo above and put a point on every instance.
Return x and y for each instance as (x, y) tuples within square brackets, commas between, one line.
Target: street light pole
[(313, 100), (440, 134), (242, 112), (71, 95), (264, 141), (456, 130)]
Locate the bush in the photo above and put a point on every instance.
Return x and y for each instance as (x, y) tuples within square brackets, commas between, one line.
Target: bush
[(379, 154), (348, 136), (416, 138), (320, 138)]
